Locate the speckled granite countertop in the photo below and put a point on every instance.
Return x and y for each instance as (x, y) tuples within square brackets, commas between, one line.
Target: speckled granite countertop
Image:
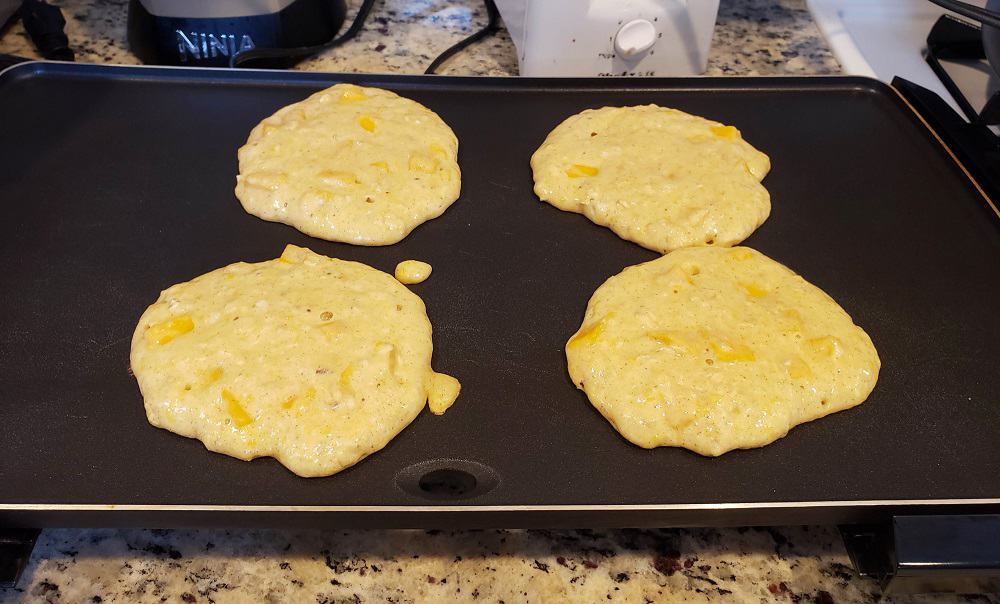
[(752, 37), (704, 565), (800, 564)]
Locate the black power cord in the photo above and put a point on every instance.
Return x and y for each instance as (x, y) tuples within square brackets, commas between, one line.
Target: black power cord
[(46, 27), (969, 11), (303, 51), (491, 27)]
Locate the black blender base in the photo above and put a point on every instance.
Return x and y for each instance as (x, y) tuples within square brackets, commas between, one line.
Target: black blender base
[(199, 42)]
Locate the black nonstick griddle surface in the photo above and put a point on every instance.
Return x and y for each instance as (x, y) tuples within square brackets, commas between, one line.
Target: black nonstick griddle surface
[(118, 182)]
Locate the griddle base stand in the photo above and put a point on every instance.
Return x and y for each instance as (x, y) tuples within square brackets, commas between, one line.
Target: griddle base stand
[(929, 554), (15, 550)]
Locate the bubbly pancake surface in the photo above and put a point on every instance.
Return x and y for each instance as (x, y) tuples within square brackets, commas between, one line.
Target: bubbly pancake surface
[(351, 164), (716, 349), (315, 361), (655, 176)]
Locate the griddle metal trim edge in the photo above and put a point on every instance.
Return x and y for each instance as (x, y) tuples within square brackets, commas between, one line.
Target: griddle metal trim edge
[(78, 507)]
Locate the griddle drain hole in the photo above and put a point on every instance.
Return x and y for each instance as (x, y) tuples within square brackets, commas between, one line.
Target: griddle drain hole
[(447, 483), (443, 479)]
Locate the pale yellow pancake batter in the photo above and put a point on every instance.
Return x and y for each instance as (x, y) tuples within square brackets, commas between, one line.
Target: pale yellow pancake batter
[(351, 164), (659, 177), (716, 349), (315, 361), (410, 272)]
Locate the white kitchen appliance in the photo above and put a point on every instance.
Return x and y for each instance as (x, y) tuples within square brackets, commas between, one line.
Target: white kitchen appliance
[(610, 37)]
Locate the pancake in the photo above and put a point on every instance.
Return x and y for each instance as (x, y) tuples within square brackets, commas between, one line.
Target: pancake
[(350, 164), (314, 361), (655, 176), (717, 349)]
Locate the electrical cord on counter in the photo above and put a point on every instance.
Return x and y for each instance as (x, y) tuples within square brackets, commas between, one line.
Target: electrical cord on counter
[(303, 51), (986, 17), (46, 28), (491, 27)]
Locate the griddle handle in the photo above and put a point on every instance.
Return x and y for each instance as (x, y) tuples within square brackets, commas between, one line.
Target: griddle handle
[(975, 145), (929, 554), (15, 551)]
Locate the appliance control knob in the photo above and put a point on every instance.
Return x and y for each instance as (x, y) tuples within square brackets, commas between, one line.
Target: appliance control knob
[(635, 37)]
